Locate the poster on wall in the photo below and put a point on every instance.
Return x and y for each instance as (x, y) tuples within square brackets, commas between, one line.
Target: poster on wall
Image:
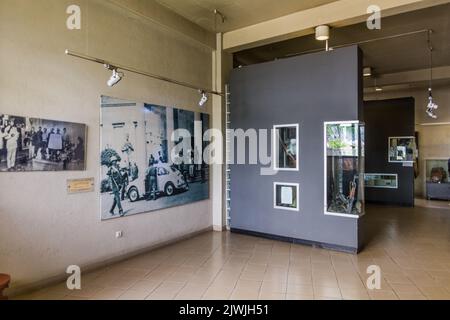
[(138, 172), (33, 144)]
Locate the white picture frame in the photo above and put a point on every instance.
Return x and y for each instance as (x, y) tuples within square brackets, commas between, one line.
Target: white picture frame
[(295, 196), (389, 149), (275, 147)]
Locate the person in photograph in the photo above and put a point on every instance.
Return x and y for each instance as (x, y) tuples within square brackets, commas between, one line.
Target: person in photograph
[(29, 142), (44, 145), (115, 181), (12, 137), (36, 141), (78, 152), (2, 142), (152, 180), (55, 144), (128, 149), (66, 139)]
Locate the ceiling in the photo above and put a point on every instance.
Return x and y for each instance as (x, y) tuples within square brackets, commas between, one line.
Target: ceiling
[(385, 56), (238, 13)]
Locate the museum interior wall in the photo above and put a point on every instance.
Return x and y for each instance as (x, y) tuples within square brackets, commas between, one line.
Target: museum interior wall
[(434, 140), (306, 91), (42, 228), (385, 119)]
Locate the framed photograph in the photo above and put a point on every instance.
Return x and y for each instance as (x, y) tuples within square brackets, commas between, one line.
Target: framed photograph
[(146, 162), (34, 144), (381, 180), (285, 147), (402, 149), (285, 196)]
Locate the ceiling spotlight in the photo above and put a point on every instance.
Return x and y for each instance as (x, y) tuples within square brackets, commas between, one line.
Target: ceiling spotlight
[(378, 89), (322, 33), (115, 78), (203, 99), (367, 71)]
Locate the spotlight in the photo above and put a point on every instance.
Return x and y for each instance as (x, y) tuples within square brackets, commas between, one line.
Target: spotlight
[(203, 99), (367, 72), (115, 78), (322, 33)]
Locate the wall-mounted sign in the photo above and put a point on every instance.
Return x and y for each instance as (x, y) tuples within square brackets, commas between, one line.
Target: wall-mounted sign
[(80, 185)]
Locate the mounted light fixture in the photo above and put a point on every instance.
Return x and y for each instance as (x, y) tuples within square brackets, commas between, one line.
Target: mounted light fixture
[(367, 72), (431, 106), (115, 77), (203, 98), (322, 33)]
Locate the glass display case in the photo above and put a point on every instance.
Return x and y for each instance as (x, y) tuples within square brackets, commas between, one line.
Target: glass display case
[(437, 170), (381, 180), (344, 164), (285, 147), (402, 149)]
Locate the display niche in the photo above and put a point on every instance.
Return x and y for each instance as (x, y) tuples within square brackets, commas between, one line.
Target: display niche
[(344, 164), (381, 180)]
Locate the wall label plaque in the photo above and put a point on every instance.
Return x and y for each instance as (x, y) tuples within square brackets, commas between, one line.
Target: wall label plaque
[(75, 186)]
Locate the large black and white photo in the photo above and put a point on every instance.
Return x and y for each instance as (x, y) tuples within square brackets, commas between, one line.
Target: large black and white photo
[(139, 173), (33, 144)]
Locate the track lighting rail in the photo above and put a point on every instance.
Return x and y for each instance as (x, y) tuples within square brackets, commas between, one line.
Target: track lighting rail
[(116, 66)]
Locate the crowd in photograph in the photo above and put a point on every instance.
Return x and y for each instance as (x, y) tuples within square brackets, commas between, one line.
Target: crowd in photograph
[(20, 144)]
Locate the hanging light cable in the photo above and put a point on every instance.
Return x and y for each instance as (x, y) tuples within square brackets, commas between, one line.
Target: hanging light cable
[(432, 106)]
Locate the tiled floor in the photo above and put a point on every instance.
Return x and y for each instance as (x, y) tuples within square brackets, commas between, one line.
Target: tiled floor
[(412, 247)]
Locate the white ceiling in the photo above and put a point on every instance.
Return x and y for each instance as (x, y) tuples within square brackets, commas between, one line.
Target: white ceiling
[(239, 13)]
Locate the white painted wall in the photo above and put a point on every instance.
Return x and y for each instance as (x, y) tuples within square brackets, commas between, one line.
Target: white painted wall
[(42, 229)]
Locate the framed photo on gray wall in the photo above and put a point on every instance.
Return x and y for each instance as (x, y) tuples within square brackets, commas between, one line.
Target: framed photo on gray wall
[(34, 144), (402, 149), (285, 147), (285, 196)]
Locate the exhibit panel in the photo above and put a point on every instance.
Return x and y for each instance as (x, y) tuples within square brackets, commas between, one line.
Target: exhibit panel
[(391, 150), (35, 144), (344, 165), (303, 106), (150, 158), (437, 179)]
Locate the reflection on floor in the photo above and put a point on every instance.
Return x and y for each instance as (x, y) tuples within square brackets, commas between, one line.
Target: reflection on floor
[(411, 245), (436, 204)]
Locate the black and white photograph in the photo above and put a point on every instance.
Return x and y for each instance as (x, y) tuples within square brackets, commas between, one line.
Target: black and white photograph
[(33, 144), (401, 149), (138, 172)]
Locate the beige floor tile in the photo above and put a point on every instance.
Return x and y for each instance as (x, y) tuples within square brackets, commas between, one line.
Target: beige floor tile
[(299, 297), (354, 294), (272, 296), (108, 294), (145, 285), (302, 290), (273, 287), (382, 295), (329, 292), (134, 295)]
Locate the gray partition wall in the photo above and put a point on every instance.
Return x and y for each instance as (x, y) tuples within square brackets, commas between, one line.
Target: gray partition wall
[(305, 90), (384, 119)]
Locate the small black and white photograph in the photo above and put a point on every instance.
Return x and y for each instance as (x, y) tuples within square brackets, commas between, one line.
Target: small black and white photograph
[(138, 174), (33, 144)]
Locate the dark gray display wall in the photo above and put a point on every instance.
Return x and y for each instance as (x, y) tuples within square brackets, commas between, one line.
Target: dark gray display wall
[(307, 90), (384, 119)]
